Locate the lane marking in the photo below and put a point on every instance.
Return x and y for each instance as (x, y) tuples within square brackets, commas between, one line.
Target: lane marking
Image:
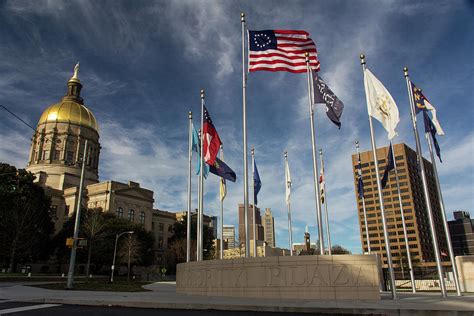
[(26, 308)]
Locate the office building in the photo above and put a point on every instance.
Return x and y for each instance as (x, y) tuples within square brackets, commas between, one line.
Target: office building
[(258, 223), (268, 223), (229, 236), (461, 230), (413, 202)]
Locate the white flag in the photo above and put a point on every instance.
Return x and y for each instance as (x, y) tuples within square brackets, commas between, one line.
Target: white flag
[(287, 182), (434, 119), (380, 103)]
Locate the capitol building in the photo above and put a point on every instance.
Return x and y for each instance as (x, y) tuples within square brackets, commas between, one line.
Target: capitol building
[(55, 158)]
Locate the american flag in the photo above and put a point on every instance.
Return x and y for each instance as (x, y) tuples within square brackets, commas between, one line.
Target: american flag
[(281, 50)]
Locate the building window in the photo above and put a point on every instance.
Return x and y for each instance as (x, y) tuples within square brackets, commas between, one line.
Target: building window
[(142, 217), (170, 228), (69, 156), (152, 225), (160, 242), (161, 227), (131, 215), (56, 155), (45, 155), (66, 210), (120, 212)]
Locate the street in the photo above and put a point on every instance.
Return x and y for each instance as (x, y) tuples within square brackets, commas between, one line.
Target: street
[(28, 309)]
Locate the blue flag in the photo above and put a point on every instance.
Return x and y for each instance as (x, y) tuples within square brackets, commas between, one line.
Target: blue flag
[(196, 146), (221, 169), (430, 128), (257, 184), (360, 184), (390, 166)]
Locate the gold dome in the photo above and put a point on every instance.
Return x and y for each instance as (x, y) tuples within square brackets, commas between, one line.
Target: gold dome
[(69, 111)]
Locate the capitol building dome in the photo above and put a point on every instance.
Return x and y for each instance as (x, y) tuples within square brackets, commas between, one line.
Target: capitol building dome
[(57, 146), (69, 111)]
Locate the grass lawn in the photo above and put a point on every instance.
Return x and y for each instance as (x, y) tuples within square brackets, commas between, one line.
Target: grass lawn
[(99, 285)]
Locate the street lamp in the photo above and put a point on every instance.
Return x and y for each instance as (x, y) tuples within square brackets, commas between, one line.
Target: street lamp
[(115, 251)]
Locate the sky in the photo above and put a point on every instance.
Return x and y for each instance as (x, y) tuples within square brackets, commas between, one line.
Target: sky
[(143, 64)]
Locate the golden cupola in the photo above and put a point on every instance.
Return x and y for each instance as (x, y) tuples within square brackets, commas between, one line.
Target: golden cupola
[(71, 109), (57, 146)]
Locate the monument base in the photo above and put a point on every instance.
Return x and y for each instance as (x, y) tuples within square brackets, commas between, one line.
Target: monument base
[(335, 277)]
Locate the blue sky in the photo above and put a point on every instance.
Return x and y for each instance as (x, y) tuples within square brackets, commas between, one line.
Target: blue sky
[(143, 64)]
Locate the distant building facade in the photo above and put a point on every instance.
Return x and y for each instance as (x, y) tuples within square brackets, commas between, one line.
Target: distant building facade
[(268, 223), (461, 230), (258, 223), (413, 202), (229, 236)]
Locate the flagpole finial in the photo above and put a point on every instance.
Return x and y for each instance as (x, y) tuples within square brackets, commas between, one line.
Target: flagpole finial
[(306, 54), (190, 115), (252, 151), (202, 93), (357, 144), (286, 154), (320, 151), (362, 59), (242, 17), (405, 71)]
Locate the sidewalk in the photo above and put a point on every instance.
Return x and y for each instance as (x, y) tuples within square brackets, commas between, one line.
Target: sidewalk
[(163, 295)]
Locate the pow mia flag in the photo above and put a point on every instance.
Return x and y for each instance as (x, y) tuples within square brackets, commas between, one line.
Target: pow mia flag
[(322, 94)]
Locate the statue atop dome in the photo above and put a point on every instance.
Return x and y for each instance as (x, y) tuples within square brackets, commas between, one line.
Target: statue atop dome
[(76, 70)]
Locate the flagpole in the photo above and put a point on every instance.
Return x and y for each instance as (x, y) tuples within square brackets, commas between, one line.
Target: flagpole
[(288, 204), (325, 202), (201, 179), (244, 128), (363, 206), (405, 234), (190, 154), (443, 214), (382, 208), (252, 152), (434, 238), (315, 165), (198, 219), (222, 211)]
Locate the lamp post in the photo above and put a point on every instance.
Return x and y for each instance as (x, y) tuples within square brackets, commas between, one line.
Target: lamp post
[(115, 252)]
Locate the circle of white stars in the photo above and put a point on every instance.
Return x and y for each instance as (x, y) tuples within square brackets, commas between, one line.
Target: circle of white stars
[(262, 37)]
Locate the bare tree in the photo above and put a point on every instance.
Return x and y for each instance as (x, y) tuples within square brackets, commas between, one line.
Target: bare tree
[(129, 252), (93, 227)]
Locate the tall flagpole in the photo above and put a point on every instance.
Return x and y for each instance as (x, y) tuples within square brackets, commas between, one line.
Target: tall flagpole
[(443, 214), (244, 128), (252, 153), (325, 203), (222, 211), (201, 180), (198, 219), (382, 208), (315, 165), (405, 234), (363, 205), (288, 204), (190, 155), (421, 164)]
